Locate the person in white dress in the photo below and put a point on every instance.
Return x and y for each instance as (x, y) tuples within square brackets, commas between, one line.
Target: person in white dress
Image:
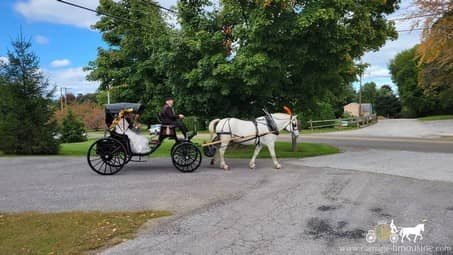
[(139, 143)]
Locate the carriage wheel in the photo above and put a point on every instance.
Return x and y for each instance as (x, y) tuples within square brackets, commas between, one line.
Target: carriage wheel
[(174, 147), (186, 157), (107, 156)]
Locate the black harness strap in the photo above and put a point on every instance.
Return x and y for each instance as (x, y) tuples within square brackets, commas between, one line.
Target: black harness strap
[(257, 138), (223, 128)]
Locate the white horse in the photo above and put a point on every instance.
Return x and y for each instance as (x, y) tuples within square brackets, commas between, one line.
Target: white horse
[(416, 231), (232, 128)]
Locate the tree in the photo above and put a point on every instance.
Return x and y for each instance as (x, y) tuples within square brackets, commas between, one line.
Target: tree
[(405, 72), (283, 52), (72, 130), (25, 126), (369, 93), (240, 58), (387, 104), (91, 114), (132, 63), (435, 52)]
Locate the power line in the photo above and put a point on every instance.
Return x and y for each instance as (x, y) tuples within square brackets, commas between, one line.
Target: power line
[(102, 13), (172, 11), (413, 17), (409, 30)]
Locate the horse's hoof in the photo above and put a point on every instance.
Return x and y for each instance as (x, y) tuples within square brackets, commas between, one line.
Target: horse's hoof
[(252, 166), (278, 166), (226, 168)]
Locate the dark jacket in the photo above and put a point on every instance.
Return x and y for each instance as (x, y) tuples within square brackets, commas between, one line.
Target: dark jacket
[(167, 115)]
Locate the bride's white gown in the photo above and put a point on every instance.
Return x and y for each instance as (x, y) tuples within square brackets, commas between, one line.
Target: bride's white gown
[(139, 143)]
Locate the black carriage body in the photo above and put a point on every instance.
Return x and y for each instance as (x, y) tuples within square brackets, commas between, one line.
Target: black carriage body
[(107, 156), (112, 110)]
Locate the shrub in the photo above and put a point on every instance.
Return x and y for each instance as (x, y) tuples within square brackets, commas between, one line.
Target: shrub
[(91, 114), (72, 130), (25, 104)]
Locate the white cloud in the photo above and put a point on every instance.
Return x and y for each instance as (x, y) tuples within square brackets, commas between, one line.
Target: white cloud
[(55, 12), (4, 60), (40, 39), (72, 78), (60, 63)]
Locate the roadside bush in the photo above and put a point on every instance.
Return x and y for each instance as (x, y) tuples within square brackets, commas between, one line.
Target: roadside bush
[(72, 130), (91, 114), (26, 125)]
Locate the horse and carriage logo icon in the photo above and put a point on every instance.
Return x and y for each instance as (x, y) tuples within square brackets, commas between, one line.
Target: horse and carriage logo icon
[(383, 232)]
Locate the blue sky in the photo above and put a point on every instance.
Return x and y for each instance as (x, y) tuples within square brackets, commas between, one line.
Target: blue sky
[(63, 40)]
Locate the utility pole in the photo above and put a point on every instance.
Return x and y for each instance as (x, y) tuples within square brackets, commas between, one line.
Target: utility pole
[(108, 94), (65, 98), (61, 98), (360, 94)]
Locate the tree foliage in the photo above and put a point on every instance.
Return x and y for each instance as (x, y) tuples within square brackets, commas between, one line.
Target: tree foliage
[(387, 103), (72, 130), (243, 57), (25, 104), (91, 114), (416, 100), (435, 52), (132, 63), (405, 72), (369, 93)]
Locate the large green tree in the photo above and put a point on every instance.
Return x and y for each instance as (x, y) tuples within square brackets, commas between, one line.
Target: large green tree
[(285, 52), (405, 72), (25, 104), (132, 65), (242, 57), (369, 93), (387, 103)]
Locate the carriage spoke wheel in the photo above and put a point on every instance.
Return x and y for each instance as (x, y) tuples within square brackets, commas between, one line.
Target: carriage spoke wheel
[(186, 157), (107, 156)]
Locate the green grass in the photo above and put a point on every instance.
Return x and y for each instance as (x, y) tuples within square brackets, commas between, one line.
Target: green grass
[(283, 150), (437, 117), (68, 232), (326, 130)]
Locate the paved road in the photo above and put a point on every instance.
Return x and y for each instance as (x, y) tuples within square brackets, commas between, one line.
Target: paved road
[(296, 210), (354, 143), (409, 128), (322, 205)]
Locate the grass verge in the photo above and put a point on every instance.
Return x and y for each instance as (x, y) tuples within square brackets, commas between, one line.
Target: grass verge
[(436, 117), (68, 232), (326, 130), (283, 150)]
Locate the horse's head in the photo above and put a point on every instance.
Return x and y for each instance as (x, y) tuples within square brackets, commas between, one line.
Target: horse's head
[(292, 126)]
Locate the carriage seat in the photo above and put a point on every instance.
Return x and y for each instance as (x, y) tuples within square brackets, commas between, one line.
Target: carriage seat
[(166, 130)]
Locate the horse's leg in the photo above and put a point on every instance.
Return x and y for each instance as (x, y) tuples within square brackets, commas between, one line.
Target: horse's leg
[(255, 154), (216, 157), (222, 149), (271, 147)]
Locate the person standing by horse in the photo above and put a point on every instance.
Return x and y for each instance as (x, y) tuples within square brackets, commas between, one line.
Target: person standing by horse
[(168, 116)]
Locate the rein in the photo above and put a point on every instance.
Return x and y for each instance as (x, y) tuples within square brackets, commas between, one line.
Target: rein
[(257, 135)]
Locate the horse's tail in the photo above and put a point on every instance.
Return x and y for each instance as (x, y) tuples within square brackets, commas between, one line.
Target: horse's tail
[(212, 126)]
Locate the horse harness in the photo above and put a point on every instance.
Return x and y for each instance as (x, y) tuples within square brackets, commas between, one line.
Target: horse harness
[(269, 122)]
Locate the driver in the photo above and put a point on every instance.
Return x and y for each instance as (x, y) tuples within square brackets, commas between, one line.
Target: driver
[(168, 116)]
